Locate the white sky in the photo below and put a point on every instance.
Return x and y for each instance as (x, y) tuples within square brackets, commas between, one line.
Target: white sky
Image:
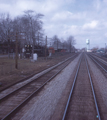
[(83, 19)]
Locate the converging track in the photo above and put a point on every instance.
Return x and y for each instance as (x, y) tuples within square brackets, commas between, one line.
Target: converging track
[(82, 103), (11, 103), (100, 62)]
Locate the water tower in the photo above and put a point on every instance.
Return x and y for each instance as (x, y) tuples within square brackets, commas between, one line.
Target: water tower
[(88, 44)]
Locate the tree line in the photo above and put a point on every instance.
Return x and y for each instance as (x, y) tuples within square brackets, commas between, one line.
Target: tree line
[(28, 29)]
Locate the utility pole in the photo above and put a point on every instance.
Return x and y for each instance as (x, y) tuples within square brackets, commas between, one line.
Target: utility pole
[(38, 38), (57, 45), (46, 47), (16, 49), (8, 43), (8, 47), (16, 55)]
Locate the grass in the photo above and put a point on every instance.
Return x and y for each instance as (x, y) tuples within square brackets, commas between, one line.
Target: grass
[(9, 75), (7, 65), (25, 66)]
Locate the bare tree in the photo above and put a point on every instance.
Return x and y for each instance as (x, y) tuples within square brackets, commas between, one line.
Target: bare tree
[(71, 42), (35, 25), (6, 29), (56, 42)]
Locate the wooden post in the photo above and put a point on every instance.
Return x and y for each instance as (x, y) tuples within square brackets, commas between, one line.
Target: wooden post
[(8, 47), (16, 55), (46, 47), (38, 38)]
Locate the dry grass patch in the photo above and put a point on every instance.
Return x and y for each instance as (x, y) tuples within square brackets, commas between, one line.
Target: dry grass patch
[(9, 75)]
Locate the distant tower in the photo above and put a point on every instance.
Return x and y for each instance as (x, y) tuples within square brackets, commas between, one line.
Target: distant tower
[(88, 44)]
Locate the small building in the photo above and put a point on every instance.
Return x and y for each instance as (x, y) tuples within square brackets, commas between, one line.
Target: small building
[(51, 50)]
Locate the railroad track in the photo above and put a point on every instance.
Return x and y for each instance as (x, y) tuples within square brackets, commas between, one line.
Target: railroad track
[(11, 103), (99, 57), (102, 64), (4, 87), (82, 102), (102, 57)]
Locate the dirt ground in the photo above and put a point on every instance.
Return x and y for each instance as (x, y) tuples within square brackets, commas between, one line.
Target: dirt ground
[(26, 68)]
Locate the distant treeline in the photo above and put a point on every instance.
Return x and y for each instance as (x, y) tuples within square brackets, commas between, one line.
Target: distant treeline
[(28, 29)]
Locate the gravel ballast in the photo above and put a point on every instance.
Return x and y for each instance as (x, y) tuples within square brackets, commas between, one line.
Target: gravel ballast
[(100, 86), (9, 75), (43, 106)]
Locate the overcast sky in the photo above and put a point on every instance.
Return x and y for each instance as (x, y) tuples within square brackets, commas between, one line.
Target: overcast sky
[(83, 19)]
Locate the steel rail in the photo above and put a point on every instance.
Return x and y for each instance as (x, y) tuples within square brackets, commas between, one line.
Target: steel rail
[(100, 59), (53, 67), (10, 114), (93, 91), (68, 101), (69, 98), (28, 77), (98, 63)]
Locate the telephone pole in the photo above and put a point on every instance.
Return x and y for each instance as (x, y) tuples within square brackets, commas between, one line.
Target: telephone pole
[(38, 38), (46, 47), (16, 55), (16, 48)]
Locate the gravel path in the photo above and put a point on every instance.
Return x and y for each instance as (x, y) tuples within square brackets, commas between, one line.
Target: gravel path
[(100, 85), (43, 106)]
